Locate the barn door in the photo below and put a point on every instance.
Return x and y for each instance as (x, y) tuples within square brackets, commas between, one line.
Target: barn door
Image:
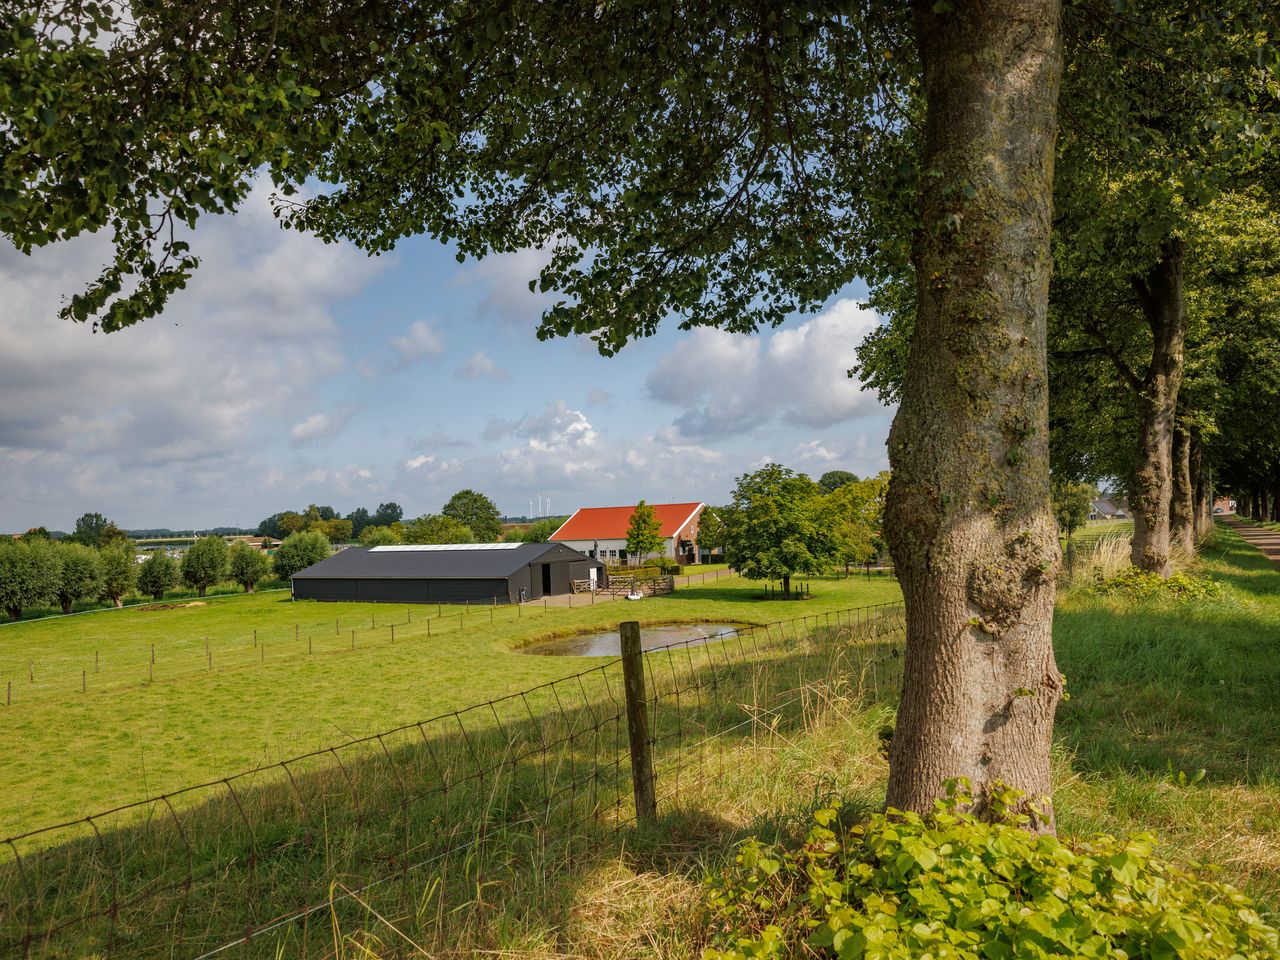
[(546, 579)]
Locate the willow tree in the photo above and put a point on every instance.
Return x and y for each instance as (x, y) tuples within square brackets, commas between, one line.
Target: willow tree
[(712, 164)]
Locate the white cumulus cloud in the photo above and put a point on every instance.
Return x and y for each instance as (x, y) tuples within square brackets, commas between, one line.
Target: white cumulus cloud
[(156, 420), (729, 384), (418, 342), (480, 366), (319, 426)]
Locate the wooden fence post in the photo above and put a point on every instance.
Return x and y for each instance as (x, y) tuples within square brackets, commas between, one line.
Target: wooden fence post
[(638, 722)]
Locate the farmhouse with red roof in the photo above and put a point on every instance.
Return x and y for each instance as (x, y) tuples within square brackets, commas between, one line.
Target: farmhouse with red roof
[(601, 532)]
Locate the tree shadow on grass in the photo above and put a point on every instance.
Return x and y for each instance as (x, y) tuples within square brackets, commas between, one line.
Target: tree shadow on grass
[(450, 833), (1162, 689)]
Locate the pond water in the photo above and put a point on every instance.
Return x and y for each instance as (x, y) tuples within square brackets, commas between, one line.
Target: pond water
[(609, 644)]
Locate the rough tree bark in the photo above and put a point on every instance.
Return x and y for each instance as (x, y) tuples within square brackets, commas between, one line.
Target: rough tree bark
[(1202, 481), (1160, 295), (971, 530), (1182, 523)]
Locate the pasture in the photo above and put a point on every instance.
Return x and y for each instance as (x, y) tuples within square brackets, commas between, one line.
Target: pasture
[(1168, 731), (217, 701)]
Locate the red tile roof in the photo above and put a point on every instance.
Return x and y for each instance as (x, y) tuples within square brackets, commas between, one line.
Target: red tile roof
[(610, 523)]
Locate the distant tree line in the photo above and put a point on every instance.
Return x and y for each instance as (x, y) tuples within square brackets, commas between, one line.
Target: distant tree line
[(468, 517), (37, 571), (325, 520)]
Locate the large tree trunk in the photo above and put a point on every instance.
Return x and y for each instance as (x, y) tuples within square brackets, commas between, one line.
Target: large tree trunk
[(1202, 481), (1151, 486), (973, 538), (1182, 524)]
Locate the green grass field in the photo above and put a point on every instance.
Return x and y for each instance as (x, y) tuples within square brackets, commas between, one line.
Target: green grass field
[(67, 753), (1090, 533), (1159, 692)]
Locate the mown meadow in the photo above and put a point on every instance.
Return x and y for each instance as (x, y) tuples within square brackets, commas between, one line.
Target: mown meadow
[(217, 700), (1169, 731)]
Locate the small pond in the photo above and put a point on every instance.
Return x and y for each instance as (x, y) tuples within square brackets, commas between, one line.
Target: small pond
[(609, 644)]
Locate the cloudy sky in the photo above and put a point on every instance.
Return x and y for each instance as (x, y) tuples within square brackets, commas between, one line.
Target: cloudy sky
[(293, 372)]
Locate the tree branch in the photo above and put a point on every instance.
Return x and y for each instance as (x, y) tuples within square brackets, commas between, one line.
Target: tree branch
[(1121, 365)]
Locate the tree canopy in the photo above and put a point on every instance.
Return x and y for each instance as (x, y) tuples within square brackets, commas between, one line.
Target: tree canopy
[(205, 563), (376, 536), (436, 528), (119, 570), (733, 191), (834, 479), (644, 532), (157, 573), (247, 565), (95, 530), (476, 512), (80, 576), (299, 551), (29, 575), (776, 528), (539, 531)]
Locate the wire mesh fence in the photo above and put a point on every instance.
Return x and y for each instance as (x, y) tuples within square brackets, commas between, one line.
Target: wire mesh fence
[(112, 666), (428, 826)]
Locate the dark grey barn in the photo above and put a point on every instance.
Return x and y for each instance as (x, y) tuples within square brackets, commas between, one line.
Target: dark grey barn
[(446, 573)]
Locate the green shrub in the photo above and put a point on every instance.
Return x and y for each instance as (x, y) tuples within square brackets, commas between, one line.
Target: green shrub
[(948, 885), (1138, 584), (299, 551)]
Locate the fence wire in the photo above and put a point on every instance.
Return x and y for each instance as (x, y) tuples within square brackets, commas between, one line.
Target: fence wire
[(433, 823), (109, 665)]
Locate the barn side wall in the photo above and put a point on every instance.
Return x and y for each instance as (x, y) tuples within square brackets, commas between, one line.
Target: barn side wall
[(478, 591), (518, 580)]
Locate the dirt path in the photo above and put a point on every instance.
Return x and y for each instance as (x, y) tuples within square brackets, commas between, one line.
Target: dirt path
[(1268, 541)]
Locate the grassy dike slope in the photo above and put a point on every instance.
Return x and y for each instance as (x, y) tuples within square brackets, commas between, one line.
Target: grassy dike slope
[(1160, 692), (64, 753)]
